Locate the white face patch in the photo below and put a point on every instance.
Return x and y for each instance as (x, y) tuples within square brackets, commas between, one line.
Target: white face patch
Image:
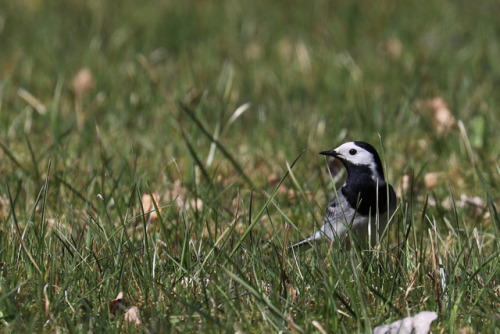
[(358, 156)]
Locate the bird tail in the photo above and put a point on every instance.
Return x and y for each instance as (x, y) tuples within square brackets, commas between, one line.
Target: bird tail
[(301, 243), (307, 242)]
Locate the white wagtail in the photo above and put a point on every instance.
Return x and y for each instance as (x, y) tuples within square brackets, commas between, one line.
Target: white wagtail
[(354, 206)]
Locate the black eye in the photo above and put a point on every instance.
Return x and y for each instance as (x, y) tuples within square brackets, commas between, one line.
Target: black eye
[(352, 151)]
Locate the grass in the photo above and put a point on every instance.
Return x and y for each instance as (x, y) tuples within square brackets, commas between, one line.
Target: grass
[(82, 168)]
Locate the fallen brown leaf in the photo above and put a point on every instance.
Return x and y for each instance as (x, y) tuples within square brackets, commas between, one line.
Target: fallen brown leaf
[(83, 82), (3, 209), (116, 304), (475, 202), (197, 204), (431, 179), (178, 193), (148, 206), (273, 179), (132, 316), (443, 119), (392, 47), (404, 185)]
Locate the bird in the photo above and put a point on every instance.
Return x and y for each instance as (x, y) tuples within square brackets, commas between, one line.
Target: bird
[(354, 206)]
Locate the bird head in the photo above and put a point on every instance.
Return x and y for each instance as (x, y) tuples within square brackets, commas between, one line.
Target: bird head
[(358, 157)]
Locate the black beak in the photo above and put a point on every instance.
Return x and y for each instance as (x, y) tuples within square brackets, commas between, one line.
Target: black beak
[(330, 153)]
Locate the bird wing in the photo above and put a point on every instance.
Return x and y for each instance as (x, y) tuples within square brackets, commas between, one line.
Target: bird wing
[(338, 216), (335, 221)]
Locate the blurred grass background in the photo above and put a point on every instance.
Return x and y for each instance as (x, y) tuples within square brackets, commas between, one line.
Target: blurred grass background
[(161, 80)]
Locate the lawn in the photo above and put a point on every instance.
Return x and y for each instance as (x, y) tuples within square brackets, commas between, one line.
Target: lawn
[(157, 157)]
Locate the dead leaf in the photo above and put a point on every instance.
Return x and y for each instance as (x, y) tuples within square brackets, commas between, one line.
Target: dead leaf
[(282, 190), (3, 208), (404, 185), (132, 316), (475, 202), (392, 47), (309, 195), (431, 180), (443, 119), (148, 206), (292, 291), (83, 82), (197, 204), (497, 290), (318, 327), (178, 193), (291, 325), (116, 304), (418, 324), (273, 179)]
